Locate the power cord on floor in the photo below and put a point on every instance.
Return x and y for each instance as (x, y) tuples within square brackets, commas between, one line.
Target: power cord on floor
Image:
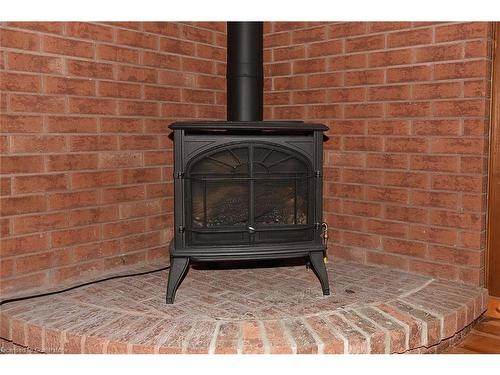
[(81, 285)]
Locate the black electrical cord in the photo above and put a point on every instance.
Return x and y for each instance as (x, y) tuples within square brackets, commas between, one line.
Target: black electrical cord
[(81, 285)]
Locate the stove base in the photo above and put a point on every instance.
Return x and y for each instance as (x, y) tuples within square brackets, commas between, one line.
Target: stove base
[(179, 265)]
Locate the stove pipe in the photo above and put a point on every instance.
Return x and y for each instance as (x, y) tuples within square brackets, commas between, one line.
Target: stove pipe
[(245, 77)]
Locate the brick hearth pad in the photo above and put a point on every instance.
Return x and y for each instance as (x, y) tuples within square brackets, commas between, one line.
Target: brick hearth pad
[(263, 310)]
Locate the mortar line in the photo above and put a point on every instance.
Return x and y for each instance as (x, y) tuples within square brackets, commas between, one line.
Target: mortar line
[(385, 330), (354, 326), (319, 343), (213, 341), (406, 326), (417, 289)]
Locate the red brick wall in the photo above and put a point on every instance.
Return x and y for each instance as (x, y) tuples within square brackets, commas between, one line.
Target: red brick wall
[(86, 159), (406, 159)]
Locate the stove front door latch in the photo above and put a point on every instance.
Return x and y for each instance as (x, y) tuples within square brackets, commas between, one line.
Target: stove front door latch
[(324, 231), (178, 175), (324, 234)]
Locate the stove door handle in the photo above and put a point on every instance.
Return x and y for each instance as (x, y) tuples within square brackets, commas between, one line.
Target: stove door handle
[(251, 229)]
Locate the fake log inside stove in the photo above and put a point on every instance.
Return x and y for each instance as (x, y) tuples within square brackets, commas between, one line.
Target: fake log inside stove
[(228, 206)]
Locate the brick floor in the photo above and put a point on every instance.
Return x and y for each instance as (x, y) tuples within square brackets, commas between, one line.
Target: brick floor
[(248, 310)]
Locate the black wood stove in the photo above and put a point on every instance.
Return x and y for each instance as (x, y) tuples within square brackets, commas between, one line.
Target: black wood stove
[(245, 188)]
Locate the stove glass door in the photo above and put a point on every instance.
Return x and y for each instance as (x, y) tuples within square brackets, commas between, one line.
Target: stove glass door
[(247, 194)]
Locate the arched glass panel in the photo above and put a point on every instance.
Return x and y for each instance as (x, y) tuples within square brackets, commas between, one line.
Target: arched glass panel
[(246, 189)]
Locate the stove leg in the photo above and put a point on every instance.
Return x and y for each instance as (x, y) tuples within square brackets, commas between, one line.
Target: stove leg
[(319, 268), (178, 268)]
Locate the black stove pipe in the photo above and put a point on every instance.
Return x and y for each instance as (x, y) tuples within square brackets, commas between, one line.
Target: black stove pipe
[(245, 76)]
